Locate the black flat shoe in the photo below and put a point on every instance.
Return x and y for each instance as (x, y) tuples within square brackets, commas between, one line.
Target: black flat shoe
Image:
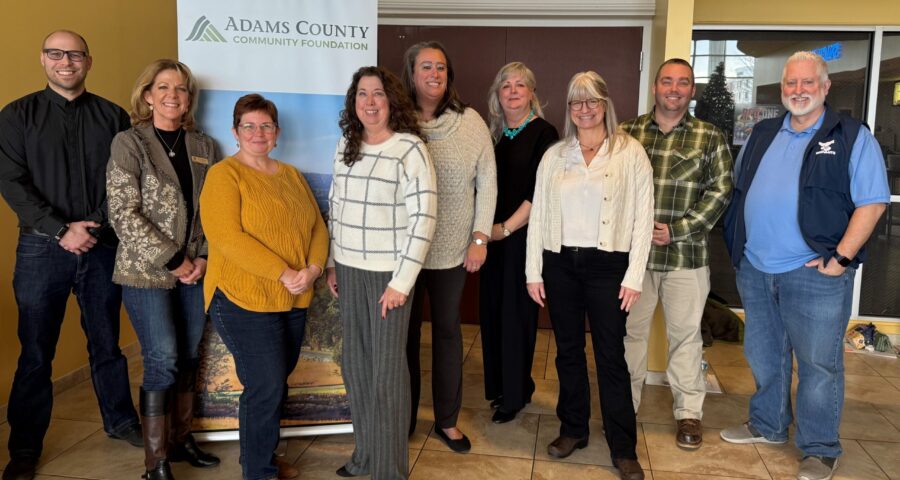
[(22, 468), (503, 416), (342, 472), (461, 445)]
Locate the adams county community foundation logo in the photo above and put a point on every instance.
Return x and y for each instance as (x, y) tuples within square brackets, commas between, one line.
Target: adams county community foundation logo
[(204, 31), (282, 33)]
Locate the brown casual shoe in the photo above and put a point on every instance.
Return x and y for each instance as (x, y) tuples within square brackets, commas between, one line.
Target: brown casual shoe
[(286, 471), (629, 469), (563, 446), (689, 434)]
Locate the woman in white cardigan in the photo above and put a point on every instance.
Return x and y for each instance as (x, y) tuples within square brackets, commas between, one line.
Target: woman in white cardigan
[(588, 241)]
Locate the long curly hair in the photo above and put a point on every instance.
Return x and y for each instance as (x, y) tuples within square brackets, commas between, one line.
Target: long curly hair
[(401, 119)]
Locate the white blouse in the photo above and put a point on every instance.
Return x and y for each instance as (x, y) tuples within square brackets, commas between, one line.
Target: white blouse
[(580, 192)]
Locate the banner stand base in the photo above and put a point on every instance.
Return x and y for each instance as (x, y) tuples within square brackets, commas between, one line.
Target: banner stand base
[(286, 432)]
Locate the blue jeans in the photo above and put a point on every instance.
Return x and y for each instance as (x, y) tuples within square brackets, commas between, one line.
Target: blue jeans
[(169, 324), (44, 276), (265, 347), (801, 313)]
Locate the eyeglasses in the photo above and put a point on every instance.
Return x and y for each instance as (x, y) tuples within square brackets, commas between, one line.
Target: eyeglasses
[(591, 103), (57, 54), (265, 128)]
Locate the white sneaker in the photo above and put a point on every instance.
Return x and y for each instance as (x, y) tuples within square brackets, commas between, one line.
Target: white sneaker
[(745, 433), (817, 468)]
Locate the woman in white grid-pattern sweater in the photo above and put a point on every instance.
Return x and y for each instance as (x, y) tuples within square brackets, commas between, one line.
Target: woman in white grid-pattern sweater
[(383, 202)]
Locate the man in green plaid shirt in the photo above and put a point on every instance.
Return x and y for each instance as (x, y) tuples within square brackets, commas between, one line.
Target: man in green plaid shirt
[(692, 176)]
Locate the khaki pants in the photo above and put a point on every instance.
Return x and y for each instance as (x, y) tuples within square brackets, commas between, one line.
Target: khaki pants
[(683, 294)]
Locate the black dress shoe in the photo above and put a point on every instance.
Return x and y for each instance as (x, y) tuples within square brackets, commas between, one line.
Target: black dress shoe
[(133, 435), (20, 469), (503, 416), (495, 403), (563, 446), (190, 452), (342, 472), (461, 445)]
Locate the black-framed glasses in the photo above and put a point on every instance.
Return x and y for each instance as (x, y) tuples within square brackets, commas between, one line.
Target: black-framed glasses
[(251, 128), (57, 54), (591, 103)]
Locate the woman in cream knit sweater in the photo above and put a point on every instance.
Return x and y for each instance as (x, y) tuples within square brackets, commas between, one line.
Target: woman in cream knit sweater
[(588, 241), (463, 155)]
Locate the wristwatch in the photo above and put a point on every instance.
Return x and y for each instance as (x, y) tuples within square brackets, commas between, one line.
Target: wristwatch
[(62, 231), (506, 231), (842, 260), (478, 241)]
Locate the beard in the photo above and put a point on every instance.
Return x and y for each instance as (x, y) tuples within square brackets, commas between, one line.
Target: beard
[(813, 102)]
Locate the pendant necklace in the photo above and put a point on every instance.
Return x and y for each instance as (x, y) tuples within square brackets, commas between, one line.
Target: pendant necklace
[(511, 133), (175, 144)]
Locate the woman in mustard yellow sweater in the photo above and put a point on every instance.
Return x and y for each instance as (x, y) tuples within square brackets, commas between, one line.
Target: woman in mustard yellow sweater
[(267, 245)]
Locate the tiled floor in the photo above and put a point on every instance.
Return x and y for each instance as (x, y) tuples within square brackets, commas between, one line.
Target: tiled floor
[(77, 448)]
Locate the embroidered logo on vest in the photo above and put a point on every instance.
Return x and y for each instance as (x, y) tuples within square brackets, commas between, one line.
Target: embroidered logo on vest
[(825, 148)]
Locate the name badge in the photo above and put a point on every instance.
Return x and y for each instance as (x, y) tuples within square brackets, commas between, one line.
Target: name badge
[(200, 160)]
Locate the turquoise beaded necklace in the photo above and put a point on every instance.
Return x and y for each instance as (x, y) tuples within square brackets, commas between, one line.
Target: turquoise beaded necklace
[(511, 133)]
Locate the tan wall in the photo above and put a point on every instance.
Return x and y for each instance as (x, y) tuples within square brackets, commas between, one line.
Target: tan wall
[(124, 36), (803, 12)]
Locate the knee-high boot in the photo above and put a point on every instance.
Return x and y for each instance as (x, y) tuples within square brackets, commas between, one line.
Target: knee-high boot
[(183, 446), (155, 418)]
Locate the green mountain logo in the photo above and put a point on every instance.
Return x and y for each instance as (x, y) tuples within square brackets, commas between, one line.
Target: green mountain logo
[(204, 31)]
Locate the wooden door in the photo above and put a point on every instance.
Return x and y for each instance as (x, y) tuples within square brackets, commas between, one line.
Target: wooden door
[(553, 53)]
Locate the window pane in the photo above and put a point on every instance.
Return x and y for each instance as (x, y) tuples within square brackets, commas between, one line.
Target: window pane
[(880, 295), (731, 48), (702, 47), (701, 66)]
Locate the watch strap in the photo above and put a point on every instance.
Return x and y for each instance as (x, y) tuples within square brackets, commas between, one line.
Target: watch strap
[(842, 260)]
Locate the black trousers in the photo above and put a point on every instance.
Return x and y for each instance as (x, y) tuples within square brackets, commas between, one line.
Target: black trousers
[(579, 280), (444, 289), (508, 323)]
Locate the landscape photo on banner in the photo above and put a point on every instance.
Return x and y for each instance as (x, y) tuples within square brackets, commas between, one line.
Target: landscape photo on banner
[(301, 56)]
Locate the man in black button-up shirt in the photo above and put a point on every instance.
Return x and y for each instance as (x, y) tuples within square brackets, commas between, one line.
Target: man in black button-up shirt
[(54, 147)]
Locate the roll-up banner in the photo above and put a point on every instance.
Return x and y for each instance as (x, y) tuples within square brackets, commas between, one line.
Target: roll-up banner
[(301, 54)]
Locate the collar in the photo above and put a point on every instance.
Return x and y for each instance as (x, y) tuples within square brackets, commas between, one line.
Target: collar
[(686, 122), (786, 124), (62, 101)]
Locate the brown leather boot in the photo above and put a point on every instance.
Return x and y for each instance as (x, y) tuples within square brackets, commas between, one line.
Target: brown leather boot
[(183, 447), (155, 420)]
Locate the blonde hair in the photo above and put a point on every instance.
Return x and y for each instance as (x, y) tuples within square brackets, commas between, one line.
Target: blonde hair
[(586, 85), (495, 110), (141, 113)]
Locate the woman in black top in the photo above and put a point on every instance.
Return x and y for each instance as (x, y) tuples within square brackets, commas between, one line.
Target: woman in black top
[(508, 316)]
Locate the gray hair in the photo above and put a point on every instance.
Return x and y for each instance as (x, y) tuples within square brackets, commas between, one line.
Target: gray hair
[(587, 85), (821, 66)]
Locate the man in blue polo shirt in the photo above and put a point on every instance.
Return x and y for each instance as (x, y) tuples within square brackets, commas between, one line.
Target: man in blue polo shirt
[(809, 189)]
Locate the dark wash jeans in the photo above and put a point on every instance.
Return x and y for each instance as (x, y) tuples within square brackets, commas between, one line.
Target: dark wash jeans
[(579, 281), (265, 347), (169, 324), (45, 275)]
